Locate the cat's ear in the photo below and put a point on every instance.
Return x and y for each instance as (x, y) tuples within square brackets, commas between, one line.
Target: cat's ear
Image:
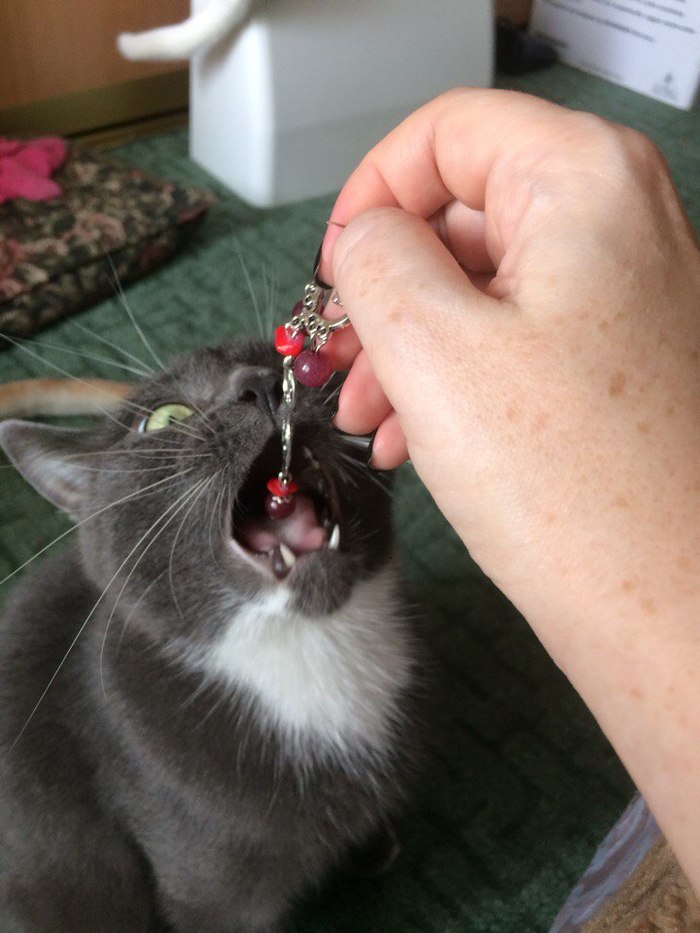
[(49, 458)]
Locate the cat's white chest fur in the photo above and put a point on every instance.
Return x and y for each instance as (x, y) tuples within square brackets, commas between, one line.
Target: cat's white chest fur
[(336, 677)]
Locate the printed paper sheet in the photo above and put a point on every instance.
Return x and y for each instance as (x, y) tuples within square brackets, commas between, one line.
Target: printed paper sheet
[(651, 46)]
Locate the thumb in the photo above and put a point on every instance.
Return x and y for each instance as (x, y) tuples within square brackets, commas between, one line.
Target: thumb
[(416, 315)]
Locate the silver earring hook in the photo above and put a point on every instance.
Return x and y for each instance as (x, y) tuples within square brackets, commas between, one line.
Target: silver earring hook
[(335, 297)]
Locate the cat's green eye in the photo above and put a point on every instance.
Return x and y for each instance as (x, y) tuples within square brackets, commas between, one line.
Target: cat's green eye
[(162, 416)]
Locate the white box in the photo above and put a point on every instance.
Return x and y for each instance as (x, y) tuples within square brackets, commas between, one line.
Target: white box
[(288, 106)]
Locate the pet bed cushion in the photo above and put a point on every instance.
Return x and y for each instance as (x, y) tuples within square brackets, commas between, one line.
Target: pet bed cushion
[(111, 222)]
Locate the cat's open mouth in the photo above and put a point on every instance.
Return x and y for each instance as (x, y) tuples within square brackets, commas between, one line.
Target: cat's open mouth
[(276, 545)]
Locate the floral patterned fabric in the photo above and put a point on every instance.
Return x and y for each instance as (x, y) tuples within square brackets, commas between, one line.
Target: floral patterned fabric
[(60, 256)]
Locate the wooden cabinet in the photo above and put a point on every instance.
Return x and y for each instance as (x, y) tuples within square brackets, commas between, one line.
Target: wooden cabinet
[(60, 71)]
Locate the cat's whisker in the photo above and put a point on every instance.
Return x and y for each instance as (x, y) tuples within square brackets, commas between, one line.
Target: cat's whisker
[(332, 394), (276, 784), (178, 426), (269, 289), (136, 604), (217, 512), (177, 506), (110, 470), (345, 475), (144, 490), (201, 490), (45, 344), (154, 453), (126, 403), (200, 689), (241, 752), (63, 372), (187, 428), (114, 346), (366, 472), (181, 427), (266, 293), (132, 317), (153, 583), (271, 307), (200, 411), (87, 619), (212, 709), (251, 290), (147, 343)]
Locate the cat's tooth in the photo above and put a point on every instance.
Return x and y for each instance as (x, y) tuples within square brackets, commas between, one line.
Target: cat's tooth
[(308, 453), (279, 568), (288, 555), (334, 540)]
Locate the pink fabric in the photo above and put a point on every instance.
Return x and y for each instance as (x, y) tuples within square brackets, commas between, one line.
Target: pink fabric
[(26, 167)]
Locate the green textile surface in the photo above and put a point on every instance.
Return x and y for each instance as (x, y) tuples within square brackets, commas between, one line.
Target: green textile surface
[(520, 785)]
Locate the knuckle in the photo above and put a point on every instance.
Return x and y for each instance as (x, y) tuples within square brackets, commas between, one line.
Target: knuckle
[(610, 146)]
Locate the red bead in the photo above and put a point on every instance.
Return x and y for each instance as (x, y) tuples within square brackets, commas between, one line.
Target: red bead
[(287, 341), (280, 489), (279, 507), (312, 369)]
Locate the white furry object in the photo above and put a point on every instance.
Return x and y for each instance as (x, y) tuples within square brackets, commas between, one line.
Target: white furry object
[(182, 40)]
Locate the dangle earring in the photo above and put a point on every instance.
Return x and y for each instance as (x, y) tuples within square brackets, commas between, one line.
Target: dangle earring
[(308, 367)]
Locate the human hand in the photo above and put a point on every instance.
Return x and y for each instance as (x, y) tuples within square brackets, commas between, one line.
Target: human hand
[(523, 287), (527, 319)]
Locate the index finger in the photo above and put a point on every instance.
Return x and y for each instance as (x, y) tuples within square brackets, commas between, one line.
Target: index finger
[(446, 151)]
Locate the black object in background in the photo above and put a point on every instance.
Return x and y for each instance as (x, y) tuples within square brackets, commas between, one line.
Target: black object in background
[(517, 52)]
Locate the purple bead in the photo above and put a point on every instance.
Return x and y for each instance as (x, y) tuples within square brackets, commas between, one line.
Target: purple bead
[(279, 507), (312, 369)]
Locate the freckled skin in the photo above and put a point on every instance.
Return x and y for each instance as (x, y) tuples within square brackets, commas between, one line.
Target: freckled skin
[(649, 606), (617, 384), (590, 318)]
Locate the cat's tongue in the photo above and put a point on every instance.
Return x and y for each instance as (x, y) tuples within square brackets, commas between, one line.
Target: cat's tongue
[(300, 531)]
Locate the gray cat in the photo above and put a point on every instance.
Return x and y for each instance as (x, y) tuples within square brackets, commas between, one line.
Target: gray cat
[(202, 711)]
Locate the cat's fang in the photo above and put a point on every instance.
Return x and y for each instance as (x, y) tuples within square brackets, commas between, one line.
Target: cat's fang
[(278, 564), (311, 459), (288, 555), (334, 540)]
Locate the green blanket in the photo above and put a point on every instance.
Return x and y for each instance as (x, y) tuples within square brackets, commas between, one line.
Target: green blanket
[(520, 785)]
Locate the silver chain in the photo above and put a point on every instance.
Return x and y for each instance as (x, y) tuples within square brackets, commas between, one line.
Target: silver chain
[(289, 397), (317, 328), (310, 322)]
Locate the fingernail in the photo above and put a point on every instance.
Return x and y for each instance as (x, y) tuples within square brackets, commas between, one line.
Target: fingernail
[(317, 264), (359, 445), (325, 257)]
